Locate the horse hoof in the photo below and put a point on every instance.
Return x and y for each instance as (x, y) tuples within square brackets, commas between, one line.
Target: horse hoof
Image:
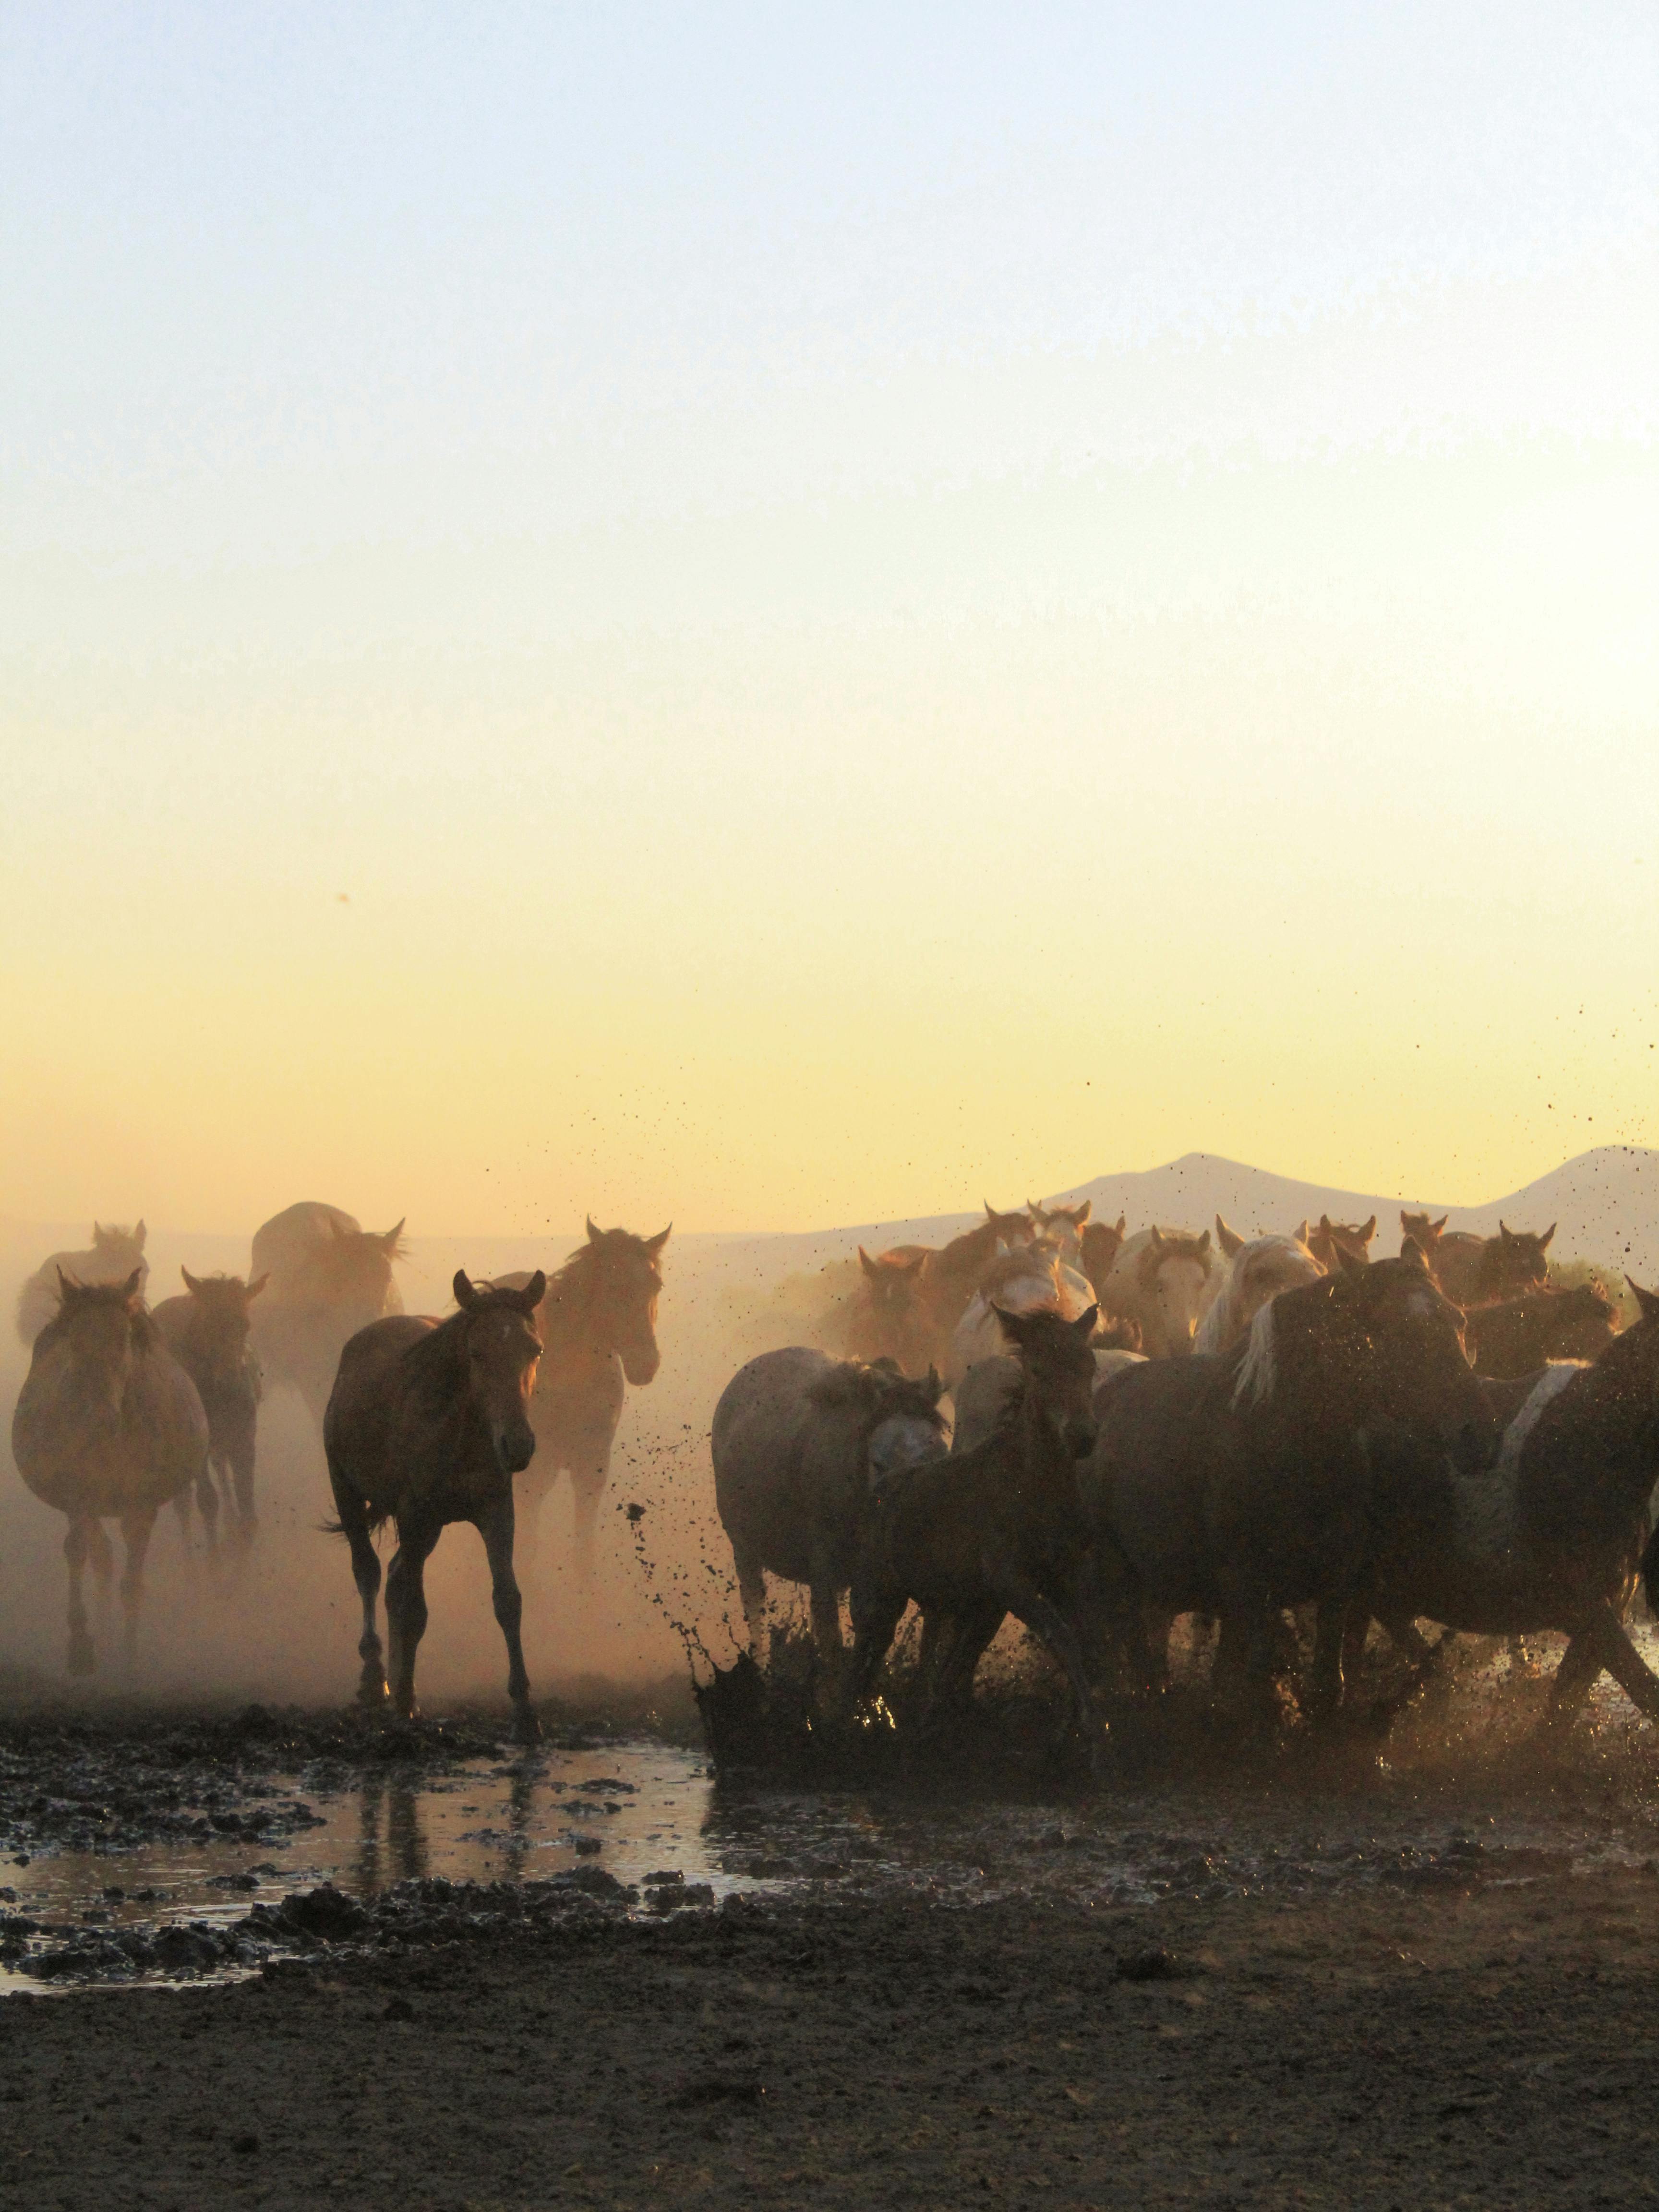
[(372, 1693), (527, 1729)]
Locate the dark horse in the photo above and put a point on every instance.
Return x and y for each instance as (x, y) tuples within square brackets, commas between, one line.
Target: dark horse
[(1519, 1335), (108, 1425), (1475, 1271), (206, 1331), (598, 1324), (1240, 1483), (328, 1277), (995, 1530), (1547, 1533), (429, 1423)]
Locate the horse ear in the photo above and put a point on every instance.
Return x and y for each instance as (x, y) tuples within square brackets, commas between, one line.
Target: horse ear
[(1544, 1241), (392, 1239), (916, 1264), (1437, 1226), (1084, 1326), (335, 1230), (1504, 1232), (1302, 1231), (1413, 1255), (1648, 1300), (934, 1385), (864, 1261), (654, 1244), (134, 1284), (67, 1287), (191, 1283), (1156, 1244), (1324, 1224), (1204, 1241), (1013, 1325), (466, 1297), (1122, 1225), (594, 1236), (1035, 1210), (990, 1210), (257, 1286), (1083, 1213), (138, 1236), (1346, 1262), (1229, 1239), (1369, 1230), (534, 1291)]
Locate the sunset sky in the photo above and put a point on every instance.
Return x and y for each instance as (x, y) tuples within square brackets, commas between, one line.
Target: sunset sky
[(773, 616)]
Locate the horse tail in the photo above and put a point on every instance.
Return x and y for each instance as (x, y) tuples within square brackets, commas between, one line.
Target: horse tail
[(1651, 1573)]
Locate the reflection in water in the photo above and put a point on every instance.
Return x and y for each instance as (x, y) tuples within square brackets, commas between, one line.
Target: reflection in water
[(395, 1799)]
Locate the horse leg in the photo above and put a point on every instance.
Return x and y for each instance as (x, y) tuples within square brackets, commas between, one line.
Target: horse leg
[(587, 1484), (1059, 1638), (135, 1531), (207, 1503), (752, 1590), (366, 1573), (1327, 1673), (1627, 1667), (1575, 1677), (405, 1608), (823, 1594), (877, 1613), (100, 1557), (240, 1461), (966, 1636), (497, 1529), (82, 1659)]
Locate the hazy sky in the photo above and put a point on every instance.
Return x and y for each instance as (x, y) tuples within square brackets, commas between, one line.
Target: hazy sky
[(775, 616)]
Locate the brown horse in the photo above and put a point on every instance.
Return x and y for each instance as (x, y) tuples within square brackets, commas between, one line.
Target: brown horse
[(428, 1423), (888, 1318), (115, 1254), (950, 1276), (207, 1331), (1519, 1335), (1098, 1246), (1352, 1239), (108, 1425), (328, 1277), (598, 1324), (1477, 1271)]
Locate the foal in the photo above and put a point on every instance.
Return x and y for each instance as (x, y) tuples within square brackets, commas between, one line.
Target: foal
[(429, 1423), (993, 1531)]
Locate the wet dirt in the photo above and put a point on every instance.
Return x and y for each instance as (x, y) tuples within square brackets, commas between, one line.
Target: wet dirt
[(391, 1966)]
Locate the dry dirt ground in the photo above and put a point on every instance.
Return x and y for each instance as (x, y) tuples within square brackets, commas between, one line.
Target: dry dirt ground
[(1464, 2044)]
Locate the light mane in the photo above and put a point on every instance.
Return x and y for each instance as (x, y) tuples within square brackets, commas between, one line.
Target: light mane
[(1550, 1385), (1258, 1370), (1487, 1501)]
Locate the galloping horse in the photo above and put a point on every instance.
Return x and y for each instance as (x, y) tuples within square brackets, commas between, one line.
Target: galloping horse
[(115, 1254), (207, 1331), (887, 1319), (108, 1425), (1352, 1239), (598, 1326), (428, 1423), (329, 1278)]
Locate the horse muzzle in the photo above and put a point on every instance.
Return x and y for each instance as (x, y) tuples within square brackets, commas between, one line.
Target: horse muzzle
[(515, 1446), (640, 1367)]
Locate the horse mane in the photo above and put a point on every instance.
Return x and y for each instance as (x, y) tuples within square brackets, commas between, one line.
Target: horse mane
[(878, 1392), (1258, 1366), (1173, 1244), (145, 1334), (576, 1271)]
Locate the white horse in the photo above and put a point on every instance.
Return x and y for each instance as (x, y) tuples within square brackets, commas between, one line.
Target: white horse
[(1164, 1279), (1257, 1271)]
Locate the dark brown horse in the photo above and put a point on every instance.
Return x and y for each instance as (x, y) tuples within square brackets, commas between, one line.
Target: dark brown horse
[(950, 1276), (888, 1318), (1241, 1484), (598, 1324), (1477, 1271), (428, 1423), (114, 1254), (1519, 1335), (108, 1426), (996, 1530), (207, 1332), (1546, 1532), (328, 1277)]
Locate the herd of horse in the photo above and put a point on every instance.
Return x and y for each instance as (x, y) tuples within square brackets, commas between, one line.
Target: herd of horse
[(127, 1409), (1141, 1426)]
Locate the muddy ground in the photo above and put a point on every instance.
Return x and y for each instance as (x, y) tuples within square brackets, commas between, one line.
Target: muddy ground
[(1463, 2046), (1420, 1974)]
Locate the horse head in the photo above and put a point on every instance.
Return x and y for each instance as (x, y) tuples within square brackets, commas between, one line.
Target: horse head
[(1059, 1361), (1422, 1232), (1009, 1228), (502, 1349), (219, 1307), (357, 1267), (1516, 1260), (1173, 1271), (101, 1327), (1098, 1247), (1398, 1343), (1065, 1223), (624, 1280)]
